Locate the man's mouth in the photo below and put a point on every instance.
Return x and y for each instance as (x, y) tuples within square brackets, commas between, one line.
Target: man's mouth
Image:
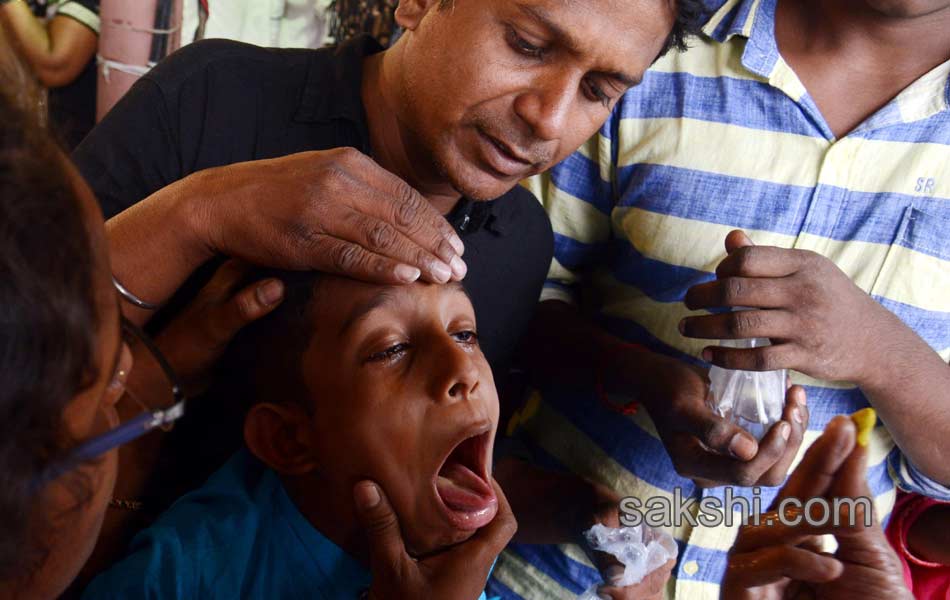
[(502, 158), (463, 483)]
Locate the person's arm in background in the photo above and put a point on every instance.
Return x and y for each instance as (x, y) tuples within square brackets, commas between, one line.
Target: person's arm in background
[(564, 346), (825, 326), (57, 50)]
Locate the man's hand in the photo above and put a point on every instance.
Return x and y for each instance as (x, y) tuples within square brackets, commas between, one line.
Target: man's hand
[(459, 573), (785, 561), (607, 513), (820, 323), (336, 211), (194, 341), (707, 448)]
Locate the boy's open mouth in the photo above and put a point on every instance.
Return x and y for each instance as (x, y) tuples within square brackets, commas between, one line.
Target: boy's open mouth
[(463, 483)]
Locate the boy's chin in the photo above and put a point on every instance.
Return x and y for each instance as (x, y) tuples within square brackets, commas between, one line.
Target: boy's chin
[(441, 542)]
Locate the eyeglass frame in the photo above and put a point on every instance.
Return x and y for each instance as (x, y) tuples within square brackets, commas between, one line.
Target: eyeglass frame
[(144, 423)]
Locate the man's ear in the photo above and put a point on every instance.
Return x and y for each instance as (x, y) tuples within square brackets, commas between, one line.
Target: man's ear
[(409, 13), (281, 436)]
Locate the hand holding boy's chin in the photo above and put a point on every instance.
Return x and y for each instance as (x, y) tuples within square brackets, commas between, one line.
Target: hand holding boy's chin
[(458, 572)]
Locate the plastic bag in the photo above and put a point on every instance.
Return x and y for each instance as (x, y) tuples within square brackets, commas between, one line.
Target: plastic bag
[(754, 400), (641, 549)]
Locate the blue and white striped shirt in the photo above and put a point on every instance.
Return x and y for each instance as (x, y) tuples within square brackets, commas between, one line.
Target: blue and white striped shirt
[(720, 137)]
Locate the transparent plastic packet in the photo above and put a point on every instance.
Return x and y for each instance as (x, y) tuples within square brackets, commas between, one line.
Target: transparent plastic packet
[(640, 549), (753, 400)]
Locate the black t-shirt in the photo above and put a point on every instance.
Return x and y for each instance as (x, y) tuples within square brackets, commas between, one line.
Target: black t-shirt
[(72, 107), (219, 102)]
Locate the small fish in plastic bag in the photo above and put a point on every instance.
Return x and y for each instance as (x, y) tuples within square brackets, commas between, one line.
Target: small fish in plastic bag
[(753, 400), (641, 549)]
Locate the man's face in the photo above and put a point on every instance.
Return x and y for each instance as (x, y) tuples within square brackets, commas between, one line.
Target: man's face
[(403, 396), (498, 90)]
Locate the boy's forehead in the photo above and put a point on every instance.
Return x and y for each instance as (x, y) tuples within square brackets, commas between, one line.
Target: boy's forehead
[(347, 301)]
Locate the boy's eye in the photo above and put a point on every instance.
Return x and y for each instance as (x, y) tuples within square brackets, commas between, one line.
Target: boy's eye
[(523, 46), (466, 337), (389, 353)]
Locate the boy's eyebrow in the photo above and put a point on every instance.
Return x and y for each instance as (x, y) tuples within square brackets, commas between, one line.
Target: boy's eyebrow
[(360, 311)]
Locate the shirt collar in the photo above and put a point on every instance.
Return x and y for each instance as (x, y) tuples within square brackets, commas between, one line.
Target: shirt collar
[(333, 89), (334, 570), (754, 20)]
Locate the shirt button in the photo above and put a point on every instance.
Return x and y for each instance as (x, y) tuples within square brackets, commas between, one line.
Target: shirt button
[(691, 568)]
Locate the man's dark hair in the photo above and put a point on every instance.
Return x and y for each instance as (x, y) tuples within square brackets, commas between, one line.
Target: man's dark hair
[(48, 316), (691, 15)]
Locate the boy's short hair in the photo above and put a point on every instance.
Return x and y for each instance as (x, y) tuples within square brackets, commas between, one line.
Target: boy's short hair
[(263, 362)]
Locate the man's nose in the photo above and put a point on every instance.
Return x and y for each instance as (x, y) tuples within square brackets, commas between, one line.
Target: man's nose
[(546, 106)]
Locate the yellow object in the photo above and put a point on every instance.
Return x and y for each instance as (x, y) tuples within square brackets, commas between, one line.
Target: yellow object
[(864, 420)]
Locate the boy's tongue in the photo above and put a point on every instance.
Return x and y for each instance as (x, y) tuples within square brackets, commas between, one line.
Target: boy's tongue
[(462, 490)]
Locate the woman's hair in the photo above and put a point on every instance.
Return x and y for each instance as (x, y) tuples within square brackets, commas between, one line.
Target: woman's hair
[(48, 316)]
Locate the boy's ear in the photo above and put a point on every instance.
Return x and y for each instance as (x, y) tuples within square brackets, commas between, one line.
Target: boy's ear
[(409, 13), (281, 436)]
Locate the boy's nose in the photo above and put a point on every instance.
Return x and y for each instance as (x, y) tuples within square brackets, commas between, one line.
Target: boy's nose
[(459, 375)]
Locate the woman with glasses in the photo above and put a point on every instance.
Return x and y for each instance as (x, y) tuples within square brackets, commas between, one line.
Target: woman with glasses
[(74, 293)]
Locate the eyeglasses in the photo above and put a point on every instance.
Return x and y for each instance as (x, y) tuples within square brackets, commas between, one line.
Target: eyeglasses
[(135, 428)]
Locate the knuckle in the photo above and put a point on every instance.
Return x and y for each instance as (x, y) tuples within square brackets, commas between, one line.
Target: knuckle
[(408, 205), (246, 306), (765, 360), (744, 477), (346, 258), (381, 236), (731, 291)]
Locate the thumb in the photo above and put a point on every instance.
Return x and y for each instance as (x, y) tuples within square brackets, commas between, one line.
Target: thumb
[(386, 548), (245, 307), (737, 239)]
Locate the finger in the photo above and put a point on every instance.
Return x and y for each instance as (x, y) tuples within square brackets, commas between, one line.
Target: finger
[(741, 324), (795, 414), (737, 239), (766, 358), (816, 472), (250, 304), (651, 586), (698, 462), (333, 255), (225, 280), (717, 434), (739, 291), (386, 547), (761, 261), (399, 203), (772, 564), (381, 237), (851, 481)]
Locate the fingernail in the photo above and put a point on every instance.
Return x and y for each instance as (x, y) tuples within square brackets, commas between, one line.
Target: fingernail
[(741, 446), (707, 355), (456, 242), (441, 271), (797, 415), (459, 268), (784, 430), (864, 421), (613, 575), (407, 273), (270, 293), (367, 495)]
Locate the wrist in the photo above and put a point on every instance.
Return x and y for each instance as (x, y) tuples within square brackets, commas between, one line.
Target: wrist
[(627, 370), (190, 206)]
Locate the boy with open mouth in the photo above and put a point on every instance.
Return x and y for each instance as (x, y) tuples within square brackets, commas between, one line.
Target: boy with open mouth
[(346, 382)]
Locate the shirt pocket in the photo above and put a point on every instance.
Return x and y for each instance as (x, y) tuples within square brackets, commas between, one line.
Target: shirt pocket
[(914, 280)]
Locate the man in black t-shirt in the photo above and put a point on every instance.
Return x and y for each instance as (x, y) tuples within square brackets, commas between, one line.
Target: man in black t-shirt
[(475, 96), (58, 39)]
